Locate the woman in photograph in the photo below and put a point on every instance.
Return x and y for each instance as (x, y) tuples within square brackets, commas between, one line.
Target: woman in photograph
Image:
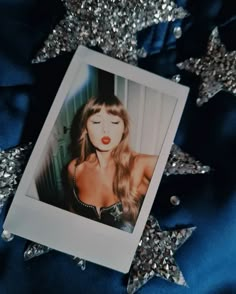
[(108, 180)]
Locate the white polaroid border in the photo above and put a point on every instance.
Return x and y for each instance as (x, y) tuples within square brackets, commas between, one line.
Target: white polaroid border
[(71, 233)]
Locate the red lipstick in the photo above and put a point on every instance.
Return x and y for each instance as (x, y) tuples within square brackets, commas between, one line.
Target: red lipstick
[(106, 140)]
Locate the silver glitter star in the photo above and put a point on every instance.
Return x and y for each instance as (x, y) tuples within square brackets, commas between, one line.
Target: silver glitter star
[(181, 163), (217, 69), (154, 255), (110, 24), (12, 164)]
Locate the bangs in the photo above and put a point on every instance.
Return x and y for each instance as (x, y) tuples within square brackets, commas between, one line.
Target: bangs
[(94, 109), (115, 110), (111, 107)]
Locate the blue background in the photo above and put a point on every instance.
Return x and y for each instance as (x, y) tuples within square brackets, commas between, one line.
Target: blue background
[(208, 258)]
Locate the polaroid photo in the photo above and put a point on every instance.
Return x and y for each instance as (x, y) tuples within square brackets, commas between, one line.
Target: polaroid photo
[(93, 175)]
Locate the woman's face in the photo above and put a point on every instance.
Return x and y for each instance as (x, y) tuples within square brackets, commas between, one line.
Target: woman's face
[(105, 130)]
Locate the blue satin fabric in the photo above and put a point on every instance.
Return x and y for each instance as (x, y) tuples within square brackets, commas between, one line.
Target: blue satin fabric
[(208, 259)]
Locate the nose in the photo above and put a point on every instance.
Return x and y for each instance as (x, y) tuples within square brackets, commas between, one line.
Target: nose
[(105, 127)]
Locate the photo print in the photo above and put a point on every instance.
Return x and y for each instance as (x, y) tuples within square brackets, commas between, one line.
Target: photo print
[(96, 167)]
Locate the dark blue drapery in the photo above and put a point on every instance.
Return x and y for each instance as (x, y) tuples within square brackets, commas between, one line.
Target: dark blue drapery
[(208, 259)]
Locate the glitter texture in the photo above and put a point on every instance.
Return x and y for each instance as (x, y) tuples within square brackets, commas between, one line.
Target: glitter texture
[(12, 164), (80, 262), (181, 163), (217, 69), (35, 249), (154, 255), (111, 25)]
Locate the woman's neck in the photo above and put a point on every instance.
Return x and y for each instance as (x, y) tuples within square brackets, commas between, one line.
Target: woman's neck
[(104, 159)]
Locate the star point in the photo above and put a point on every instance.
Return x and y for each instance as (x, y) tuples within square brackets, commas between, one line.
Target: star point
[(12, 164), (181, 163), (217, 69)]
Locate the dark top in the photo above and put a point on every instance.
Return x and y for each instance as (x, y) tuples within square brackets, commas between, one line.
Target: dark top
[(110, 215)]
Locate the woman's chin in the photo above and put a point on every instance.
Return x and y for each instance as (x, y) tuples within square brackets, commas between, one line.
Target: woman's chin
[(106, 148)]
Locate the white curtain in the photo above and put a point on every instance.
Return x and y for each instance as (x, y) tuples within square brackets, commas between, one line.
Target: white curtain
[(150, 113)]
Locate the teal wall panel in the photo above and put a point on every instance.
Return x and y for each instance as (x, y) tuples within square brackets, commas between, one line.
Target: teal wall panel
[(49, 179)]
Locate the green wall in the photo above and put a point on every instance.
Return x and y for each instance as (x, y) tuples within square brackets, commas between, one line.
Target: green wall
[(49, 178)]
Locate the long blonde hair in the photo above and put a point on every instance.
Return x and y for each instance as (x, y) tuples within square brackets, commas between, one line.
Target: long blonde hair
[(121, 154)]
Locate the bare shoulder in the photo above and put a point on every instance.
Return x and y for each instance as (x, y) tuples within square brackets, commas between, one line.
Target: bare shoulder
[(146, 163), (73, 164), (145, 159)]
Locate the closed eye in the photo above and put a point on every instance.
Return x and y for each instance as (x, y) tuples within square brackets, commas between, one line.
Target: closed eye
[(96, 122), (115, 122)]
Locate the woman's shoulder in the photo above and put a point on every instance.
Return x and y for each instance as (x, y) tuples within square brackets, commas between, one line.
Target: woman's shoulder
[(145, 163), (74, 165), (141, 158)]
